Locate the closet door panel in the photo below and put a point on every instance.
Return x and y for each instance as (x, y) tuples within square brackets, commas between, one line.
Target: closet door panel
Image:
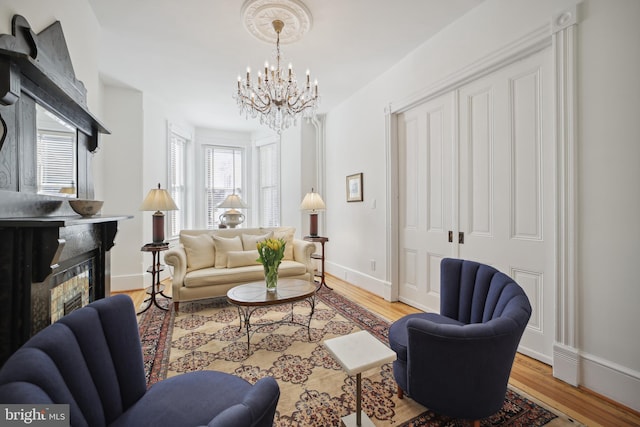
[(425, 153), (507, 201)]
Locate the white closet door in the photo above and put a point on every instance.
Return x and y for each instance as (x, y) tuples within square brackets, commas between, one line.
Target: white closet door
[(425, 153), (507, 201), (483, 166)]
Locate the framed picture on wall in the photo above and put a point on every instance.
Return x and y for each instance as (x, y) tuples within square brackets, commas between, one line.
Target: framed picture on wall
[(354, 188)]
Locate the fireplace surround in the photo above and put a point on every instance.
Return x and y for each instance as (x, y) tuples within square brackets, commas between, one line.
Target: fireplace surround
[(39, 255)]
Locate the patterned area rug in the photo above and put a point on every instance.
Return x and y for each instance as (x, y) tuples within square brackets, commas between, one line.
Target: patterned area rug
[(315, 391)]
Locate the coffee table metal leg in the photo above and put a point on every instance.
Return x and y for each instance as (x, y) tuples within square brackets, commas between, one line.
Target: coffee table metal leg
[(312, 303), (247, 324), (240, 319)]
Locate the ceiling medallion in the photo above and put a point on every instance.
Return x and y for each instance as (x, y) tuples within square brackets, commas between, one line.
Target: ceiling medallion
[(258, 17)]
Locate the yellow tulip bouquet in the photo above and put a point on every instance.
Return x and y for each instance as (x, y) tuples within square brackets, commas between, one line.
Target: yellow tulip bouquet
[(271, 252)]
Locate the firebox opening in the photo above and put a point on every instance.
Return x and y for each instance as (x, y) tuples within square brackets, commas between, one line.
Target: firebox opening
[(74, 291)]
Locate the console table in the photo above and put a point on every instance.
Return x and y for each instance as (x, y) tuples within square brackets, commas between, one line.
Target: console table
[(155, 270), (320, 256)]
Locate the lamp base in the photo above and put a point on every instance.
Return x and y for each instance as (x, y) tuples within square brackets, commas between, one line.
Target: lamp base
[(231, 218), (158, 228), (313, 225)]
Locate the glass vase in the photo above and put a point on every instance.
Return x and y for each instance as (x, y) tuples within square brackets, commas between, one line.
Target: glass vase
[(271, 277)]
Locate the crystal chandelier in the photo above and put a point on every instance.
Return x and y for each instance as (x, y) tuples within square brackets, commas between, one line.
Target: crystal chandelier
[(276, 97)]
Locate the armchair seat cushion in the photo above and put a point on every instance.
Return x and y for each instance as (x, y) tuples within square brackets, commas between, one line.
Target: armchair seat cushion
[(398, 332), (193, 399)]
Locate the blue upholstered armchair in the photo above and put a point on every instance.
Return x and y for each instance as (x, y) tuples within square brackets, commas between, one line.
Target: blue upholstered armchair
[(458, 362), (92, 360)]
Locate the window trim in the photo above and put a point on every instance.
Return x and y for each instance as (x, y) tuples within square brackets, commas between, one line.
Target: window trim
[(186, 137), (277, 176)]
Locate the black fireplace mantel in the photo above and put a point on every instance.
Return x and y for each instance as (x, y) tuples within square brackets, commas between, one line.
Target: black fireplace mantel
[(33, 251), (49, 244)]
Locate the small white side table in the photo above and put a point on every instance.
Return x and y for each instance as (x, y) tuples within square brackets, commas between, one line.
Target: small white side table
[(357, 353)]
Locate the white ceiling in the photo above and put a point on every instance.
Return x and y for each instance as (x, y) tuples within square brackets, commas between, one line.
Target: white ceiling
[(189, 53)]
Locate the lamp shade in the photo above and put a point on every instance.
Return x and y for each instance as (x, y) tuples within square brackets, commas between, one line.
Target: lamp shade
[(312, 202), (233, 201), (158, 200)]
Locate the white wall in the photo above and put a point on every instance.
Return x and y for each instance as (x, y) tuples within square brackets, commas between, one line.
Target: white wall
[(309, 173), (121, 155), (609, 201), (290, 173), (81, 31), (134, 162)]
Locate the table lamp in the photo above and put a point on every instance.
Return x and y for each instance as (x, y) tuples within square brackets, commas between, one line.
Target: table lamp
[(158, 200), (232, 217), (313, 203)]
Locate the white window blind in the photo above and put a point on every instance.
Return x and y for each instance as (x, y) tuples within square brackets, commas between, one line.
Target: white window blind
[(177, 183), (56, 161), (222, 176), (269, 166)]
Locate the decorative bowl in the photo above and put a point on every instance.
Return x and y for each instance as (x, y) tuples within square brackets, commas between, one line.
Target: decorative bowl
[(86, 207)]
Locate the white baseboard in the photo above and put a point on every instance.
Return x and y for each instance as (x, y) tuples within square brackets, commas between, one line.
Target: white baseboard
[(361, 280), (602, 376), (611, 380), (129, 282), (566, 364), (133, 282)]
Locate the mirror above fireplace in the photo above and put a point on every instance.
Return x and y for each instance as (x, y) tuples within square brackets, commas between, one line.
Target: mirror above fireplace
[(57, 154), (48, 132)]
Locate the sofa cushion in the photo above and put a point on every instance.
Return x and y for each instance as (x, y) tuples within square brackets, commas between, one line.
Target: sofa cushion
[(250, 241), (242, 258), (251, 273), (200, 251), (286, 233), (223, 246)]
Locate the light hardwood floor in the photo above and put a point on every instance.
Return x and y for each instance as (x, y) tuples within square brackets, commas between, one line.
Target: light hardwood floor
[(529, 375)]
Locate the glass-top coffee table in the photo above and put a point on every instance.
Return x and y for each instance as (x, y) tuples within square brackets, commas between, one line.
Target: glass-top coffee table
[(252, 296)]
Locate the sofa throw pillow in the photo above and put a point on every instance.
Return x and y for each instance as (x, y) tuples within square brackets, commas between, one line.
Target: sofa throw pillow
[(286, 233), (200, 251), (223, 246), (250, 241), (242, 258)]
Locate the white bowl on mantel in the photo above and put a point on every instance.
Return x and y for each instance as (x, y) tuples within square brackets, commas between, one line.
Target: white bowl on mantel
[(86, 207)]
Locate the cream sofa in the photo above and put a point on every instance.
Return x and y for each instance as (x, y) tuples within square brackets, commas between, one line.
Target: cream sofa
[(207, 263)]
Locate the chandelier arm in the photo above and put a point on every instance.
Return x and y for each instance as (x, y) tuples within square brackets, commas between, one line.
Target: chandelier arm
[(299, 103), (247, 103)]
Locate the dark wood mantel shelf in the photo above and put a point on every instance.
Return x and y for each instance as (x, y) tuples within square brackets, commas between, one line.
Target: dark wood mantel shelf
[(60, 221)]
